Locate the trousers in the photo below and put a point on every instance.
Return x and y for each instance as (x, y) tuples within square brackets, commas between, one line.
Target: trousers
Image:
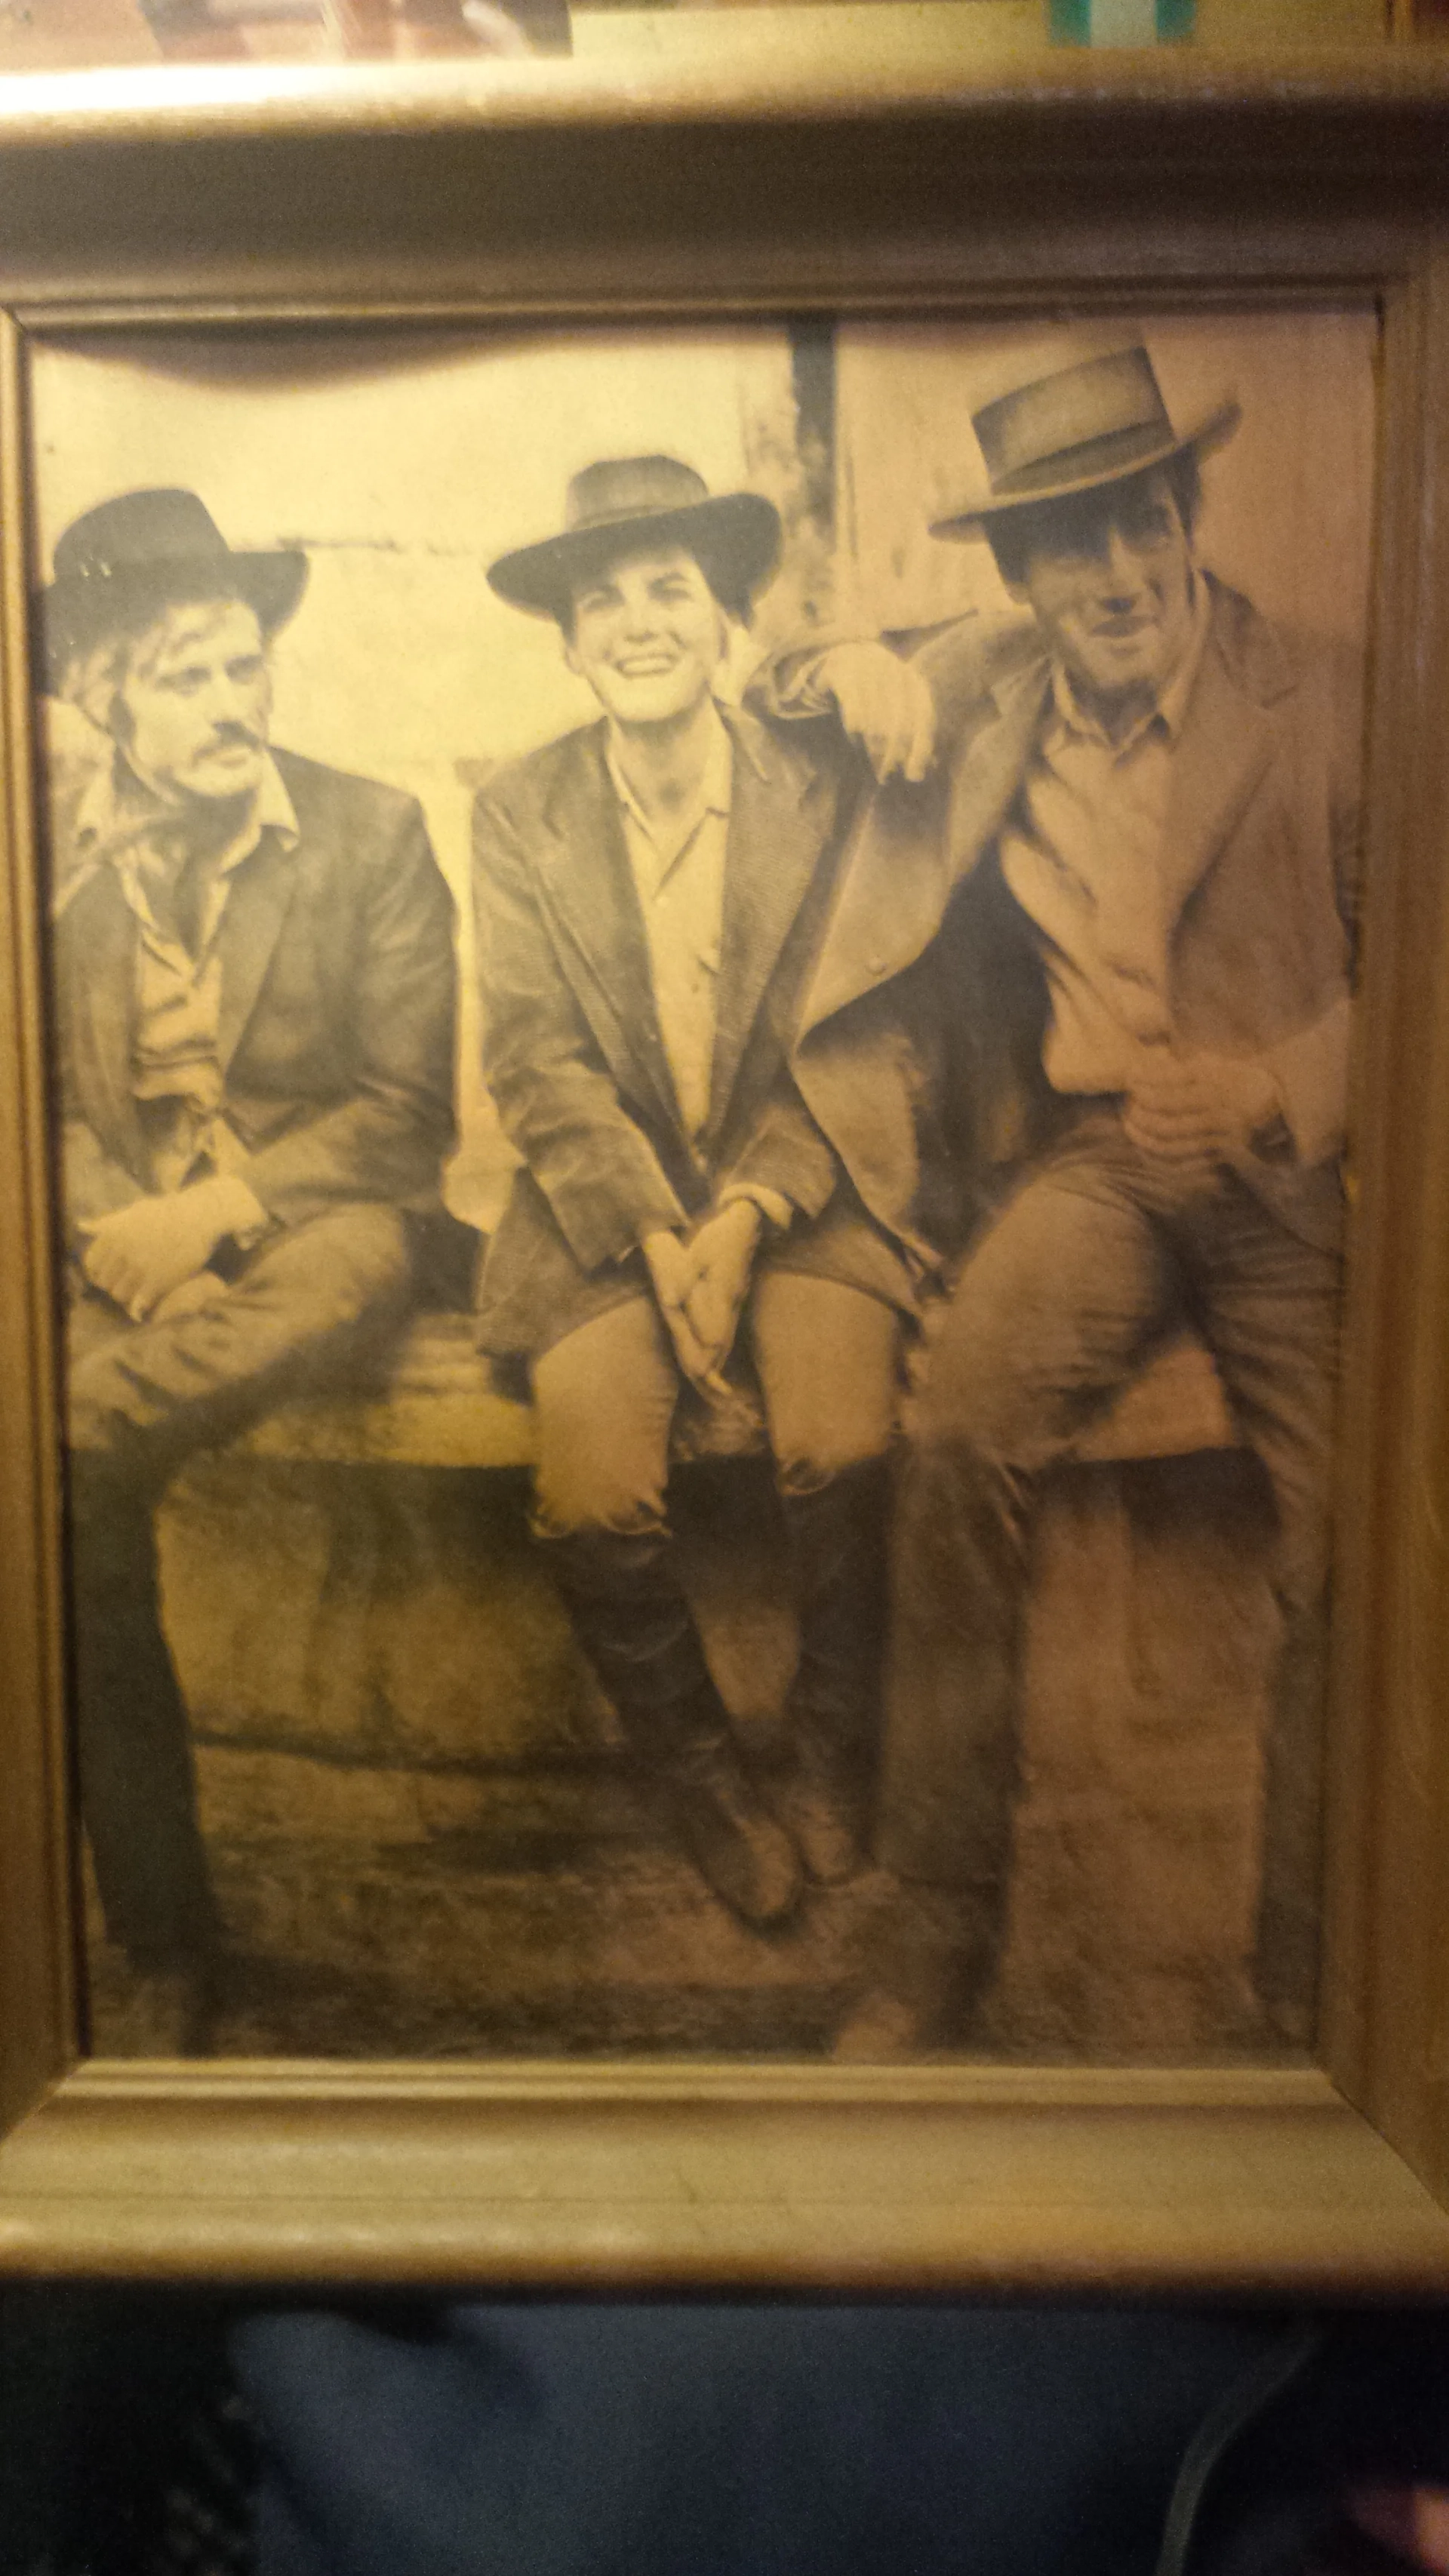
[(825, 1358), (1098, 1253), (606, 1395), (302, 1312)]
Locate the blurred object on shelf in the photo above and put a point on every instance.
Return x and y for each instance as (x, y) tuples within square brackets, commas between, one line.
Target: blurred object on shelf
[(944, 35), (353, 30), (1120, 22), (61, 35), (934, 37)]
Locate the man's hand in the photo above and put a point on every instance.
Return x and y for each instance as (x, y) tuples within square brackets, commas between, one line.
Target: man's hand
[(140, 1253), (202, 1289), (671, 1269), (883, 704), (1200, 1108), (723, 1254)]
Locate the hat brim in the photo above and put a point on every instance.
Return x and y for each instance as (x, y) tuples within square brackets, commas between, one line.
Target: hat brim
[(1210, 433), (77, 615), (739, 531)]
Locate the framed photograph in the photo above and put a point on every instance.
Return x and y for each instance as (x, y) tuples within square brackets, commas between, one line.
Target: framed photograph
[(726, 1447)]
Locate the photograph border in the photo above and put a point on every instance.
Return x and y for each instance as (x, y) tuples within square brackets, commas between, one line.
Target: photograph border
[(344, 200)]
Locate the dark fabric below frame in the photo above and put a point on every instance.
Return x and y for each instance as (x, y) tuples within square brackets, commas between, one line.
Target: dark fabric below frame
[(694, 2440), (125, 2447), (698, 2439)]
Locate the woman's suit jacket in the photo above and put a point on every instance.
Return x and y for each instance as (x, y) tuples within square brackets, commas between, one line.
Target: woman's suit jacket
[(572, 1050)]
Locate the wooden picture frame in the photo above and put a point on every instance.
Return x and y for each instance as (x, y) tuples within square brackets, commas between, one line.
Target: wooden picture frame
[(541, 192)]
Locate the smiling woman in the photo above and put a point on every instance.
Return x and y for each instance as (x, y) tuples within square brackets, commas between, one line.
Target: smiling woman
[(678, 1219), (648, 636)]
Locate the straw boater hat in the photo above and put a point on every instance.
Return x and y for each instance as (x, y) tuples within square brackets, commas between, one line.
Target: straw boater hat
[(119, 564), (642, 500), (1090, 424)]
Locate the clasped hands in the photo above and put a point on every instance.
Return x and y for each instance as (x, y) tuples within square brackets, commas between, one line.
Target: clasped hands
[(151, 1256), (700, 1282)]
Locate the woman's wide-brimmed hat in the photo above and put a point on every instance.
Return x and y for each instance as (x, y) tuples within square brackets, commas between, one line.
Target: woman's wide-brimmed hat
[(118, 565), (643, 500), (1093, 423)]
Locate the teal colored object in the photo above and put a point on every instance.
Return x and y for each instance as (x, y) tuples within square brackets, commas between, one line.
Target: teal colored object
[(1120, 22)]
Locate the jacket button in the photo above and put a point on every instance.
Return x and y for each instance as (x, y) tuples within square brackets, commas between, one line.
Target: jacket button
[(878, 965)]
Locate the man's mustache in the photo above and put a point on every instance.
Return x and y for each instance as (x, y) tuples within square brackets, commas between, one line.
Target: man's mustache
[(226, 735)]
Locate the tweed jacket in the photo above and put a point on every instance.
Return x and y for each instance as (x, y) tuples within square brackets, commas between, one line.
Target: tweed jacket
[(1262, 847), (338, 988), (572, 1050)]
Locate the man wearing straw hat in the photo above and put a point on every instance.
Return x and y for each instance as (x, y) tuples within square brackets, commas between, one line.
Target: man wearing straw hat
[(1133, 866), (650, 890), (254, 986)]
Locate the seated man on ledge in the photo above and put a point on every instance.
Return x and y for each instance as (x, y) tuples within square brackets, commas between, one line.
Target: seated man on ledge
[(254, 985), (1134, 867)]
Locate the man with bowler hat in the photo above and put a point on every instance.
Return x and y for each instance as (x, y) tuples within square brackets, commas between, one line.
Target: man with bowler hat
[(254, 990), (1133, 865), (651, 889)]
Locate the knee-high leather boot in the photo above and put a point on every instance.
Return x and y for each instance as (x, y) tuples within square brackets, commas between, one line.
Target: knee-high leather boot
[(636, 1627), (837, 1536)]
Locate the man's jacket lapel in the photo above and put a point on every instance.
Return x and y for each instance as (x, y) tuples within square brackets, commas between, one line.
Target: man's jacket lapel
[(587, 887), (256, 907), (780, 816), (1222, 751), (99, 928)]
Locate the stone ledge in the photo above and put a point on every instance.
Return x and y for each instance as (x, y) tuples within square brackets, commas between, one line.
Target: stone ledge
[(438, 1409)]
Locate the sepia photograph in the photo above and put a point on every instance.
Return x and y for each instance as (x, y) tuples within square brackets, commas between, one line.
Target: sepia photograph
[(701, 990)]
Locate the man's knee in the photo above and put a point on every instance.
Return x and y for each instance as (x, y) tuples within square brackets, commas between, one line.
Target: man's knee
[(981, 1393), (149, 1393), (354, 1260)]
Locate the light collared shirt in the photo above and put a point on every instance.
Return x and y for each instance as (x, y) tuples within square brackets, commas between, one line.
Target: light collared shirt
[(681, 895), (176, 1071), (681, 890), (1083, 857)]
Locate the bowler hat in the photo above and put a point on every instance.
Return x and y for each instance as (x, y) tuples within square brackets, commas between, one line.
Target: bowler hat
[(1087, 425), (642, 500), (118, 564)]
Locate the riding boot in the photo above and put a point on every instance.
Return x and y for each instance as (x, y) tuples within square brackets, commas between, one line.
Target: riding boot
[(633, 1622), (837, 1536), (133, 1737)]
